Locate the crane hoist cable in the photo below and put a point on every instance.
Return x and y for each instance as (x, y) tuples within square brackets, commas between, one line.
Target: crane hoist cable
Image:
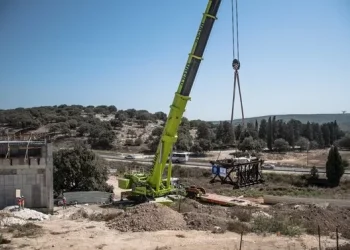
[(236, 63)]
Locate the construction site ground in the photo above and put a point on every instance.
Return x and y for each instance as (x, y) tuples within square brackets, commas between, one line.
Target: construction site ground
[(148, 226), (185, 225)]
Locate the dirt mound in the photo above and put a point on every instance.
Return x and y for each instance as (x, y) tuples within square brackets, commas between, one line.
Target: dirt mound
[(312, 216), (343, 247), (203, 222), (81, 213), (148, 217), (189, 205)]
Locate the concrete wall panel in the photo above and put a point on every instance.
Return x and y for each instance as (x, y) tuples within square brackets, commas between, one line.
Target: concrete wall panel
[(29, 179), (36, 195), (9, 180), (2, 181), (27, 193), (35, 180), (18, 180)]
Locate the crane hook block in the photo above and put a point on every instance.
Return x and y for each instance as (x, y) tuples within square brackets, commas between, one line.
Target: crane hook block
[(236, 64)]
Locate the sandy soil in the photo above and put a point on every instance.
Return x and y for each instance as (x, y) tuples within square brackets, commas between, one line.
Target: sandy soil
[(63, 233), (66, 229)]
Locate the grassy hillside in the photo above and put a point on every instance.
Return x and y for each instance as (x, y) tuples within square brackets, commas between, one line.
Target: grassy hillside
[(343, 120)]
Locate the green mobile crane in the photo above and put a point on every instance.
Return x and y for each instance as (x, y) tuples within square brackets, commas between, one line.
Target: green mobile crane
[(152, 185)]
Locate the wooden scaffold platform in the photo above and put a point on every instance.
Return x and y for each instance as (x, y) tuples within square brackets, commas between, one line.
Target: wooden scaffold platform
[(231, 171)]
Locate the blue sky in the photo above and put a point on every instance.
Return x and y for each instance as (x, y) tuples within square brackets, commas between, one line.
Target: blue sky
[(294, 55)]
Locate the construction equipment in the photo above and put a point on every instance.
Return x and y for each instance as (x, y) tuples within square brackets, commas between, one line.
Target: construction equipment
[(239, 174), (144, 187)]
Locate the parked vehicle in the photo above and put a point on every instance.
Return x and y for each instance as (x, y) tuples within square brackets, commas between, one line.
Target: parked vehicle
[(179, 157), (268, 166), (130, 157)]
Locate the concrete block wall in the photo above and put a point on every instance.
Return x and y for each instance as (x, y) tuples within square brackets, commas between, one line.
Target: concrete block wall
[(31, 182), (35, 182)]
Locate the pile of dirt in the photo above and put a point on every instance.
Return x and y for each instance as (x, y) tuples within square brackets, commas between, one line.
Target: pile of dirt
[(312, 216), (148, 217), (189, 205), (205, 217), (204, 222), (81, 213), (343, 247)]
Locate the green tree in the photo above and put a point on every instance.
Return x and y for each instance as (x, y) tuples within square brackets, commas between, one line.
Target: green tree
[(334, 166), (281, 145), (116, 123), (196, 148), (303, 143), (138, 142), (314, 172), (154, 139), (101, 138), (79, 169), (228, 136), (343, 142), (121, 115), (84, 129), (160, 116), (72, 123), (308, 131), (326, 134), (184, 139), (248, 143), (112, 109), (269, 134), (263, 129), (203, 131), (205, 144), (274, 128), (290, 137), (251, 131), (314, 145), (157, 131), (195, 123)]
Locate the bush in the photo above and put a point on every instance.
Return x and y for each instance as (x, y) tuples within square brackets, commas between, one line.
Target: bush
[(283, 226), (243, 215), (27, 230), (237, 227)]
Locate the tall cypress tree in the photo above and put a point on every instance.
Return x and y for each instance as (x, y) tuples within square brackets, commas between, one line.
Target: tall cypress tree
[(334, 166), (269, 134), (263, 130)]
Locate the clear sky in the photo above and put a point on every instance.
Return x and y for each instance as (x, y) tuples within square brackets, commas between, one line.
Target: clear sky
[(294, 55)]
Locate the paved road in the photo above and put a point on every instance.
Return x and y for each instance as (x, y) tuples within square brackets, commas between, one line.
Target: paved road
[(207, 165)]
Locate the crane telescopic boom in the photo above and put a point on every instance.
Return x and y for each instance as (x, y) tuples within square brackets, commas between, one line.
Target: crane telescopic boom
[(153, 185)]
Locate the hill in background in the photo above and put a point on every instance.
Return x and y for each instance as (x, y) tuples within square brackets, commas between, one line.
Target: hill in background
[(343, 120)]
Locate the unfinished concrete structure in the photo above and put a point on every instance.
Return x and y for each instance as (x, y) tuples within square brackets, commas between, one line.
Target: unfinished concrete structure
[(26, 165)]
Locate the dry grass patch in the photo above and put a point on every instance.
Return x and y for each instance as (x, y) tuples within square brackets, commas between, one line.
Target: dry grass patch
[(29, 229)]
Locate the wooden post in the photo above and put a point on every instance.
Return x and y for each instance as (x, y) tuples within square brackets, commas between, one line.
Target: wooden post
[(240, 243), (319, 237), (336, 231)]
